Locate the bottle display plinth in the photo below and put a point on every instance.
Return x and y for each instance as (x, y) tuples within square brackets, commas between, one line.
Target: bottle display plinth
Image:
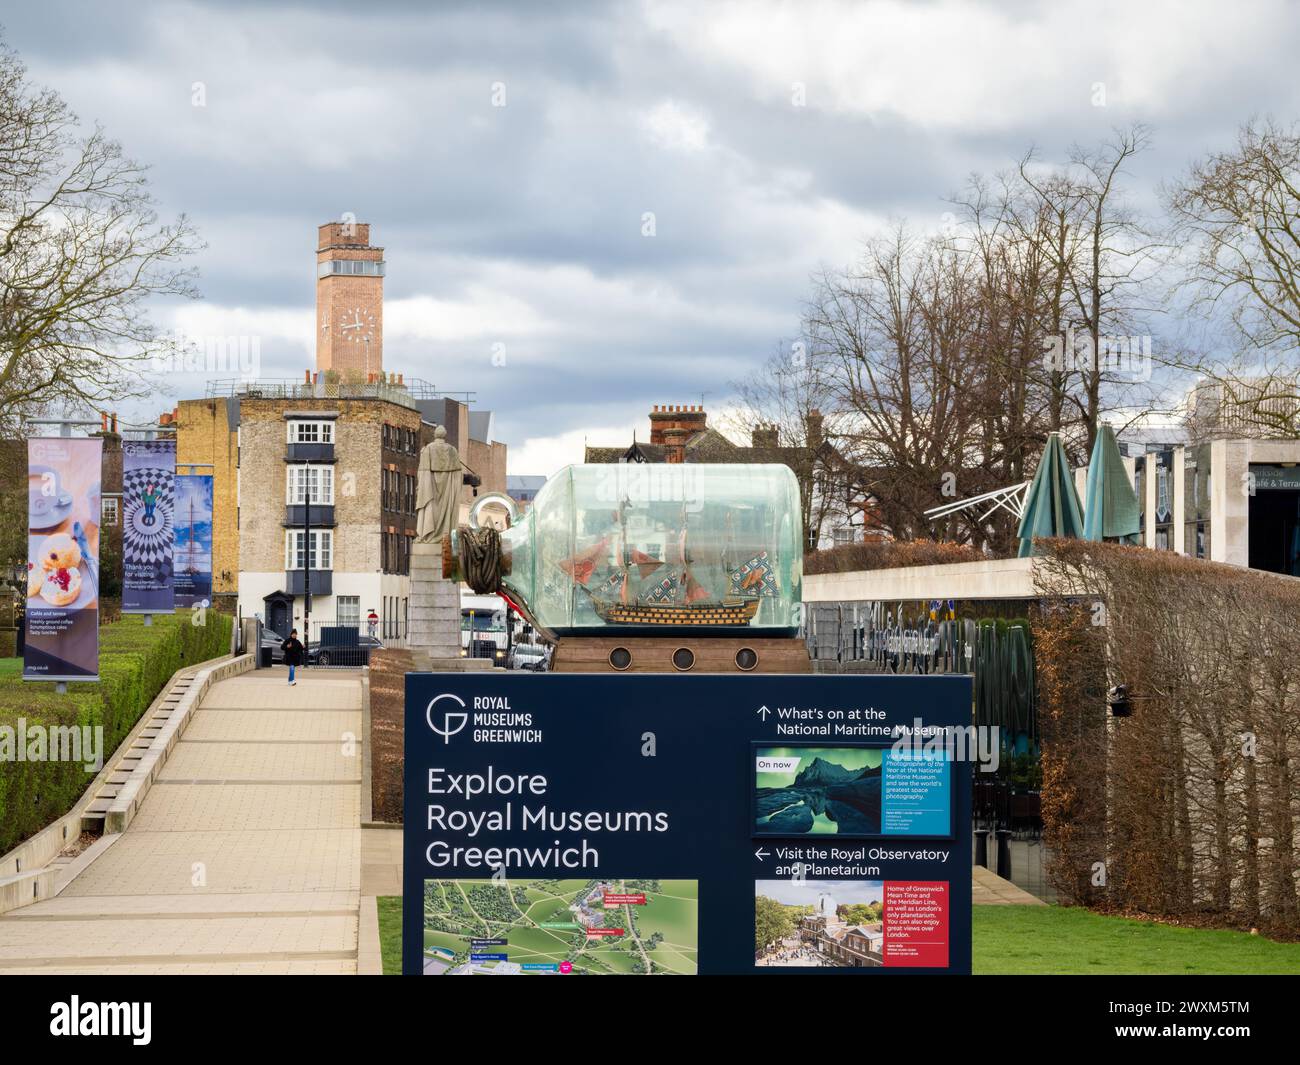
[(682, 654), (423, 663)]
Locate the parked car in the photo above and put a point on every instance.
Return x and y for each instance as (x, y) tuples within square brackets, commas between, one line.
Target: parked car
[(271, 642), (533, 656), (343, 654)]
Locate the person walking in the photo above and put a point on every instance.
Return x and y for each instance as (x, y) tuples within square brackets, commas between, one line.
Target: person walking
[(292, 648)]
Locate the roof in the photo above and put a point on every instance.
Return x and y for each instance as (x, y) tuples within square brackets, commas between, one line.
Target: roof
[(481, 426), (707, 446)]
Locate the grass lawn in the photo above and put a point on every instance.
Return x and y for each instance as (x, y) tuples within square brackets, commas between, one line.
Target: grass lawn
[(1065, 940), (1049, 940), (390, 933)]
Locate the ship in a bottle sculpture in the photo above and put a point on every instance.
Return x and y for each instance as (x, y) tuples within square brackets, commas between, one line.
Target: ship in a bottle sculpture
[(646, 550)]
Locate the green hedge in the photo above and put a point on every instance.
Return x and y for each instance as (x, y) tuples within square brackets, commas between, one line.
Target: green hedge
[(134, 664)]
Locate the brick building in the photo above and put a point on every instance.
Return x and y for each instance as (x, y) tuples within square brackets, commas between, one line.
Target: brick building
[(327, 484), (349, 300), (321, 472)]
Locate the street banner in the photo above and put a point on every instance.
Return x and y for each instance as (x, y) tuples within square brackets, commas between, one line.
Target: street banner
[(682, 825), (192, 549), (148, 487), (63, 512)]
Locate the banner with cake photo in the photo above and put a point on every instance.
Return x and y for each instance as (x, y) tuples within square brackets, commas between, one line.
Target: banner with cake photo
[(148, 534), (63, 510)]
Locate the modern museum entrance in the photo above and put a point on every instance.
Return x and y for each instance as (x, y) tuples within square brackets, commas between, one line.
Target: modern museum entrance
[(1274, 515)]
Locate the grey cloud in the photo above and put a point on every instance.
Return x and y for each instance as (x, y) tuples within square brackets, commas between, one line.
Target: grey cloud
[(558, 179)]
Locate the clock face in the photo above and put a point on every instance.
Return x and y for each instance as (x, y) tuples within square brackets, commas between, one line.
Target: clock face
[(355, 324)]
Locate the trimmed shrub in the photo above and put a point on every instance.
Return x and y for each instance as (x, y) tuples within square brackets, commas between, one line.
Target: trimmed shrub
[(134, 664), (889, 554), (1189, 806)]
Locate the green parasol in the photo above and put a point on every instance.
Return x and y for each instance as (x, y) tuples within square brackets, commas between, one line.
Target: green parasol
[(1051, 504), (1111, 512)]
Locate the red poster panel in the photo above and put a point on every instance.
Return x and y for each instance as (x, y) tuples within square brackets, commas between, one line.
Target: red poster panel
[(916, 923)]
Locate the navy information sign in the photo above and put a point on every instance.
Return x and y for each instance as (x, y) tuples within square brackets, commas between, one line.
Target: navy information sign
[(595, 824)]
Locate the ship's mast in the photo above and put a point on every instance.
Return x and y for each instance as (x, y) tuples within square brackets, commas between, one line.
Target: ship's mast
[(622, 548)]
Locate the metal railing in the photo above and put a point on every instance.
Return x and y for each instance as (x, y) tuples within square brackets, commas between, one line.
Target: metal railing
[(405, 393), (329, 645)]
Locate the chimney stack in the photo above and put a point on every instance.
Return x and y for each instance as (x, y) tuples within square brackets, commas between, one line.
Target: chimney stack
[(814, 426), (691, 420), (675, 439)]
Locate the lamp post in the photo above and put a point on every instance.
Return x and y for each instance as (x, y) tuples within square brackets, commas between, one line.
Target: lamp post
[(306, 566)]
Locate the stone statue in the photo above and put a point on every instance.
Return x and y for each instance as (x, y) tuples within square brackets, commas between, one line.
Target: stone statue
[(437, 500)]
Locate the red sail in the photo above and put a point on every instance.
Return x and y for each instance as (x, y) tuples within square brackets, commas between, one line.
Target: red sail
[(581, 565)]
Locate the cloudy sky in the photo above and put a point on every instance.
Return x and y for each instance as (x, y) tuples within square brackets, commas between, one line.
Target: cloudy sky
[(766, 139)]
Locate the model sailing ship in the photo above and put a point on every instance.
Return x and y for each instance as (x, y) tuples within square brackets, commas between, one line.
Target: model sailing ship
[(676, 598)]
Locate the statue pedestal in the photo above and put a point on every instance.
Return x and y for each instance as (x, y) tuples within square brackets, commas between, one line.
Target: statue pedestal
[(434, 620)]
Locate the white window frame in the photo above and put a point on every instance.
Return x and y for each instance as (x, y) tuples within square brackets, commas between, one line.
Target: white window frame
[(109, 511), (322, 547), (321, 431), (304, 481), (347, 611)]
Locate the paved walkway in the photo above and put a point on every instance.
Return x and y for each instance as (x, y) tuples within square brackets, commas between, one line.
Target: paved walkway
[(989, 889), (245, 856)]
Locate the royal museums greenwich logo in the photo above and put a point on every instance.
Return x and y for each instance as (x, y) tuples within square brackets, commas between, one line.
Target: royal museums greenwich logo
[(489, 720)]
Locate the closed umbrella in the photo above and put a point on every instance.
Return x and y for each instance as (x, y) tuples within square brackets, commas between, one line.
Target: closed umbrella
[(1111, 510), (1051, 505)]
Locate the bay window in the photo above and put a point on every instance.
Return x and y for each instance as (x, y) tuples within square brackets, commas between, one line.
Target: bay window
[(322, 549)]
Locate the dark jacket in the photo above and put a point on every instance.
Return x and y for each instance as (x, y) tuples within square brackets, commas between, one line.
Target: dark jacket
[(292, 648)]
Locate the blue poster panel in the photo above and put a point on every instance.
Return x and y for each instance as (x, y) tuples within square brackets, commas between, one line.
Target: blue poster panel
[(678, 825), (192, 549), (148, 488), (63, 510)]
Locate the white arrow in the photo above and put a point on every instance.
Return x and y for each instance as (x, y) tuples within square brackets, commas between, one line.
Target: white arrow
[(762, 712), (760, 854)]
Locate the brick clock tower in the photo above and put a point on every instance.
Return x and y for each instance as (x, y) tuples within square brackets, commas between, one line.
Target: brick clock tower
[(349, 300)]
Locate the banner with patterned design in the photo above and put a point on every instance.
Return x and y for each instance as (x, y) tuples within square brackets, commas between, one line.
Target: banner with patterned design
[(148, 535)]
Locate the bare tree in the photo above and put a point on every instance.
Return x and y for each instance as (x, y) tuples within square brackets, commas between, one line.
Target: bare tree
[(1105, 259), (1011, 238), (788, 405), (81, 252), (1238, 214), (894, 336)]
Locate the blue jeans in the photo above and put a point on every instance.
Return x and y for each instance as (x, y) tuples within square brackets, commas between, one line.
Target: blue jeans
[(291, 672)]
